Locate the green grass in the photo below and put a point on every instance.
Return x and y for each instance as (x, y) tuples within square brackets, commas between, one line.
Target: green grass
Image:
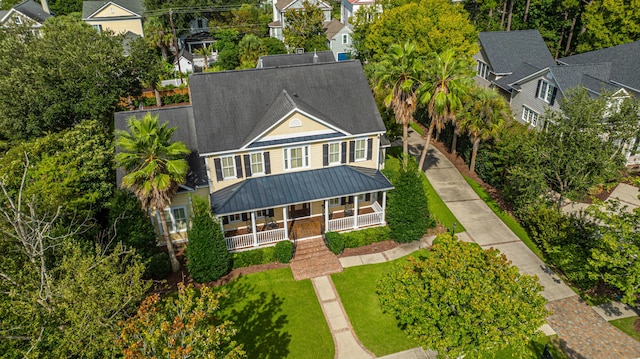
[(505, 217), (277, 317), (376, 330), (379, 331), (416, 127), (626, 325), (438, 209)]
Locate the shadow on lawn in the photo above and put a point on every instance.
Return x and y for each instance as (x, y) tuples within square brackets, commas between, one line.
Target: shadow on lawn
[(258, 319)]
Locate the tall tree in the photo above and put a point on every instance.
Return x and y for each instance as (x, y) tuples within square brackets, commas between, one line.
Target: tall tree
[(608, 23), (69, 74), (483, 118), (155, 166), (459, 299), (249, 51), (399, 75), (304, 28), (449, 80), (204, 51), (158, 36), (147, 66)]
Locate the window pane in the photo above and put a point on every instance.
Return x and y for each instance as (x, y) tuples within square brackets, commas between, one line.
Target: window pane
[(256, 163), (168, 221), (334, 152), (361, 149), (228, 167), (180, 217)]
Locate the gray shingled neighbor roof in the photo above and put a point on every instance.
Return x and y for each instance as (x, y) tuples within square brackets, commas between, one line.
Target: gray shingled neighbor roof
[(297, 187), (521, 71), (227, 106), (331, 28), (506, 50), (33, 10), (625, 60), (89, 7), (295, 59), (571, 76), (180, 117)]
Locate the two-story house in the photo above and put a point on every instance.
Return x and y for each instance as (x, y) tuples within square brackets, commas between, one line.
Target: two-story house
[(288, 152), (279, 7), (119, 16), (27, 13)]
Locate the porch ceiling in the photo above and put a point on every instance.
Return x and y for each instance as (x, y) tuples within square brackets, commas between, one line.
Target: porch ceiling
[(297, 187)]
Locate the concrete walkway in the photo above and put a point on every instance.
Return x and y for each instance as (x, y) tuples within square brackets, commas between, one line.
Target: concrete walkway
[(583, 334)]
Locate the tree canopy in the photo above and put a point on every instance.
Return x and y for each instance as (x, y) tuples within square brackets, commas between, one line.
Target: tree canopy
[(459, 299), (435, 25), (304, 28), (69, 74)]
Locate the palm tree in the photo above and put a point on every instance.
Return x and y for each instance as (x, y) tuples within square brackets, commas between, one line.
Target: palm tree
[(157, 36), (486, 114), (154, 168), (205, 52), (400, 73), (450, 79)]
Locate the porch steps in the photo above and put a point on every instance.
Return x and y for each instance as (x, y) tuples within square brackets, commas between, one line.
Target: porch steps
[(313, 259)]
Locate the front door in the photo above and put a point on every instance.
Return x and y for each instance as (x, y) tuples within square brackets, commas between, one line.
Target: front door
[(300, 210)]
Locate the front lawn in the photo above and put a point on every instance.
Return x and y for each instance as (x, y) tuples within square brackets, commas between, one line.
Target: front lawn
[(379, 331), (626, 325), (277, 317)]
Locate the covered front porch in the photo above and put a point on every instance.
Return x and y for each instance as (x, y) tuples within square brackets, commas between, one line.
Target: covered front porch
[(263, 211)]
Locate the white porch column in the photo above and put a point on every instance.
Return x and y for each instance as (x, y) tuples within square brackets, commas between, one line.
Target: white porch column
[(355, 212), (221, 220), (326, 215), (285, 215), (253, 229), (384, 205)]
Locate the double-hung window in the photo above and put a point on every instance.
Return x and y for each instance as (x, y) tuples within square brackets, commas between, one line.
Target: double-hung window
[(296, 157), (228, 167), (529, 116), (546, 91), (345, 39), (333, 202), (175, 218), (257, 163), (361, 149), (334, 152), (483, 70)]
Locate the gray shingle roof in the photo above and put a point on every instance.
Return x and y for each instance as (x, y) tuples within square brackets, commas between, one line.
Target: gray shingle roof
[(571, 76), (506, 50), (625, 60), (521, 71), (331, 28), (229, 105), (297, 187), (295, 59), (89, 7), (33, 10)]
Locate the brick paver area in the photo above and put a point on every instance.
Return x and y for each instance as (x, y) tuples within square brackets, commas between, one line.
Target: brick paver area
[(585, 335)]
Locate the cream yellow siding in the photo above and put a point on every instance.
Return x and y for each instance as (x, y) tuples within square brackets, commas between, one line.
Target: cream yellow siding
[(183, 199), (113, 11), (289, 126), (119, 26), (276, 155)]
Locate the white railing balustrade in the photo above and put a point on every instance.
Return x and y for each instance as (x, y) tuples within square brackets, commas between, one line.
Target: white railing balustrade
[(376, 207), (272, 236), (340, 224), (241, 241), (369, 219)]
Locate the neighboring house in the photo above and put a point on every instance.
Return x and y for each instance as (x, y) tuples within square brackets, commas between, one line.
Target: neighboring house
[(199, 24), (197, 40), (27, 13), (289, 152), (118, 16), (348, 9), (338, 39), (519, 64), (185, 62), (279, 18), (319, 57)]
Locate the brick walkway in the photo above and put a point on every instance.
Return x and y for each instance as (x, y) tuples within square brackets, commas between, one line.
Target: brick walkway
[(585, 335), (313, 259)]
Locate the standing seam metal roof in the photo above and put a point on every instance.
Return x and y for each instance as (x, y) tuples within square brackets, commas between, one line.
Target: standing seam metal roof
[(297, 187)]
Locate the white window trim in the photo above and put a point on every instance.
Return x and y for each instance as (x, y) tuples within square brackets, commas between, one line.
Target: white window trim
[(362, 197), (339, 161), (306, 157), (334, 204), (173, 228), (230, 220), (261, 154), (345, 39), (233, 166), (546, 91), (355, 150), (528, 114), (482, 69)]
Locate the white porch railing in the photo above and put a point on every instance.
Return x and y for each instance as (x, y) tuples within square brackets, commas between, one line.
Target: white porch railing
[(346, 223), (246, 240), (369, 219), (340, 224)]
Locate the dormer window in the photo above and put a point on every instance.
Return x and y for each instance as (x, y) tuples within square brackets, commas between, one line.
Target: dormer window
[(546, 91), (295, 123)]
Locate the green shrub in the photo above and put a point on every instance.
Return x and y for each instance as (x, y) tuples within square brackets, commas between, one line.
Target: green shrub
[(207, 256), (159, 266), (334, 241), (132, 225), (253, 257), (365, 236), (408, 211), (284, 251)]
